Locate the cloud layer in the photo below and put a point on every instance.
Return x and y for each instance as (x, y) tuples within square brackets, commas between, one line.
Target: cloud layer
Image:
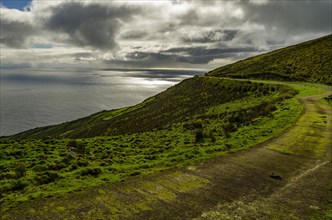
[(196, 34), (92, 25)]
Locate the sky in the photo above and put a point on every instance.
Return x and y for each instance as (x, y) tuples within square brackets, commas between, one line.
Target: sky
[(17, 4), (153, 34)]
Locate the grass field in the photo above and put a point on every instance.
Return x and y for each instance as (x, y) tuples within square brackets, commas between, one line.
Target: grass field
[(39, 168)]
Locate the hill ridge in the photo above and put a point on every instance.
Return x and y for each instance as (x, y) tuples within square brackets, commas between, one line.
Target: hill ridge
[(309, 61)]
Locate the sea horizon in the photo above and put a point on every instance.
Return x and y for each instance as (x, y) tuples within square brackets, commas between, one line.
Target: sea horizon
[(33, 98)]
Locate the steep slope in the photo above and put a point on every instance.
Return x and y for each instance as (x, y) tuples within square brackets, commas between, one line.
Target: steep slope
[(279, 179), (178, 103), (309, 61)]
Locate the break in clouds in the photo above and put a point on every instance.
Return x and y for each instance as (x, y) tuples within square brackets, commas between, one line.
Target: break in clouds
[(187, 34)]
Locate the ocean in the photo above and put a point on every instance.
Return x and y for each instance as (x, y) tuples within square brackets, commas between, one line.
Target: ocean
[(36, 98)]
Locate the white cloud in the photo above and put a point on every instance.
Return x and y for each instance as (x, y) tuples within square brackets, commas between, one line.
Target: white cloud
[(155, 33)]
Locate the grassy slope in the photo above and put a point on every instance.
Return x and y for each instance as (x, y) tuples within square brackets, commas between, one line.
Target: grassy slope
[(188, 98), (54, 170), (226, 121), (309, 61)]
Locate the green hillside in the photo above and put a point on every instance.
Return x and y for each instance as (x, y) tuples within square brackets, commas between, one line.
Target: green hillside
[(179, 103), (309, 61), (200, 118)]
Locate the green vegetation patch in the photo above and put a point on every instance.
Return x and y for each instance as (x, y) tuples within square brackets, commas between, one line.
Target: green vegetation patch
[(308, 90)]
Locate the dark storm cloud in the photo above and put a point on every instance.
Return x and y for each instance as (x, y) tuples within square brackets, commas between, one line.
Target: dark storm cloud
[(83, 56), (191, 17), (15, 33), (201, 55), (91, 25), (130, 35), (292, 16), (151, 56), (199, 51), (167, 27), (211, 36), (193, 55)]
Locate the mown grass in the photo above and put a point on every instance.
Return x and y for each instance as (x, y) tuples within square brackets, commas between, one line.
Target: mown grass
[(39, 168), (308, 129), (308, 90)]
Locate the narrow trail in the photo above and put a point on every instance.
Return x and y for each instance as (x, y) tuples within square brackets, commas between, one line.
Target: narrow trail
[(288, 177)]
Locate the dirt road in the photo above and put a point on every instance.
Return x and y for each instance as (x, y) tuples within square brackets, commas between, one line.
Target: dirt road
[(288, 177)]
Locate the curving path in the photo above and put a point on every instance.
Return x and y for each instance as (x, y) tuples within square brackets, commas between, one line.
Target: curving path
[(288, 177)]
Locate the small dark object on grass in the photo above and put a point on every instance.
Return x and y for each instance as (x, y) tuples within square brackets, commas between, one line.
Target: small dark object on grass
[(276, 177), (91, 171), (136, 173)]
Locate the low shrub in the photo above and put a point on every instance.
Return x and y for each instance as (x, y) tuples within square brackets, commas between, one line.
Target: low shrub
[(20, 170), (136, 173), (19, 184), (47, 177), (40, 168), (7, 175), (88, 171), (17, 153), (68, 158), (57, 166), (82, 163), (199, 136), (77, 147)]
